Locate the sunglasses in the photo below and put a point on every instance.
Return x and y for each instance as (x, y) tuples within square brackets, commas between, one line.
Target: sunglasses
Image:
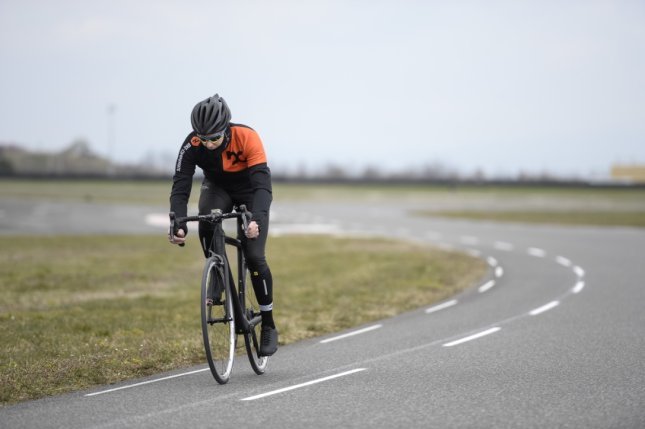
[(212, 137)]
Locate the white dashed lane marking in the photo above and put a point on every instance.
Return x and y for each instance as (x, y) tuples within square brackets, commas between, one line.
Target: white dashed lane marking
[(298, 386), (578, 287), (472, 337), (486, 286), (441, 306), (502, 245), (534, 251), (351, 334), (544, 308), (563, 261), (579, 271)]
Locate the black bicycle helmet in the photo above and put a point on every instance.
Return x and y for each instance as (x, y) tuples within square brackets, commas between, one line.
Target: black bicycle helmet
[(210, 116)]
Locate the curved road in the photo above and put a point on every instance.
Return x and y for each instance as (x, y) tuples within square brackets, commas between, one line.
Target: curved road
[(553, 337)]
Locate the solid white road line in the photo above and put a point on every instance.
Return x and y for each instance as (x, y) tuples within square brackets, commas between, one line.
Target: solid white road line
[(441, 306), (534, 251), (491, 261), (579, 271), (563, 261), (147, 382), (489, 284), (297, 386), (472, 337), (501, 245), (578, 287), (351, 334), (544, 308)]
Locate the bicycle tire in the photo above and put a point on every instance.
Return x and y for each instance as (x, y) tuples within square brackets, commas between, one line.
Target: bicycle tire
[(218, 323), (252, 338)]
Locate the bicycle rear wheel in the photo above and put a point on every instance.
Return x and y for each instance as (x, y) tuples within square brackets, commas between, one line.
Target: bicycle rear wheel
[(252, 338), (218, 324)]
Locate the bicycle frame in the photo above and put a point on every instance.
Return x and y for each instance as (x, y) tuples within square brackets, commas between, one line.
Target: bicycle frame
[(218, 247), (233, 314), (238, 294)]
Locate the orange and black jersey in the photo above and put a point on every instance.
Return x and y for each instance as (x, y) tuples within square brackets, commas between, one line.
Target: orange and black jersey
[(238, 165)]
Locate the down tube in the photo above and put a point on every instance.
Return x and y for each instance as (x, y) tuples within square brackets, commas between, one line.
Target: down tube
[(240, 320)]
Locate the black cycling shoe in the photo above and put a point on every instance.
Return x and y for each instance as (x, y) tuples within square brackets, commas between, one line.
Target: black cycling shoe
[(268, 341)]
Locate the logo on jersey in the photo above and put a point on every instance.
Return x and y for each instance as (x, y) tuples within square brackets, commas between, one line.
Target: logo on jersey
[(180, 158), (237, 155)]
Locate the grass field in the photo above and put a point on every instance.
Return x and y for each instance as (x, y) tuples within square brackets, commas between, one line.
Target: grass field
[(82, 311), (100, 191)]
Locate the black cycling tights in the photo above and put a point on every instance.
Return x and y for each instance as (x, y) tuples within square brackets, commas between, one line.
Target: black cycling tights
[(213, 197)]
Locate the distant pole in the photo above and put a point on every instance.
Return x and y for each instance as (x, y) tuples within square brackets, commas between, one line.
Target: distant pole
[(111, 109)]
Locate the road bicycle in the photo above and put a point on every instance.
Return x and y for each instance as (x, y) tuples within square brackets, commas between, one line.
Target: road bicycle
[(227, 311)]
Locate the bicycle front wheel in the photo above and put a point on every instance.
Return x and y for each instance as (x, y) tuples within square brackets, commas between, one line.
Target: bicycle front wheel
[(252, 338), (218, 324)]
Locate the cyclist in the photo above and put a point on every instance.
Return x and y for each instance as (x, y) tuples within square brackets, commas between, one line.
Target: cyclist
[(235, 170)]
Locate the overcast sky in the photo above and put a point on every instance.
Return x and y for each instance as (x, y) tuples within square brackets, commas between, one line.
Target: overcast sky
[(501, 86)]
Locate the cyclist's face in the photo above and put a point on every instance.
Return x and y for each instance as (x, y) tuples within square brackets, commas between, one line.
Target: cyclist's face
[(213, 144)]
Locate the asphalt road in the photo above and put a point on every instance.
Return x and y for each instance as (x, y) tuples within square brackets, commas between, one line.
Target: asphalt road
[(552, 337)]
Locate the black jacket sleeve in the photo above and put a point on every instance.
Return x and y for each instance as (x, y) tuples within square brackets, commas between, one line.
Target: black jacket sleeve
[(182, 181), (262, 193)]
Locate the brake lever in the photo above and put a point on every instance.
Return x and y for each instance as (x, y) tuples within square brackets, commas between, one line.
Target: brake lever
[(171, 231), (246, 218)]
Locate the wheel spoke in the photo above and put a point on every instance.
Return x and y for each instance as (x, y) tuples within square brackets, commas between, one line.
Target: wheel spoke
[(218, 327)]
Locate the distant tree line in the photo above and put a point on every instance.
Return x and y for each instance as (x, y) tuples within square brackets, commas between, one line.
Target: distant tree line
[(78, 160)]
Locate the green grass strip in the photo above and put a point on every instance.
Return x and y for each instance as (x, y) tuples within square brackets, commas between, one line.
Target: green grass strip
[(89, 310), (156, 192), (592, 218)]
